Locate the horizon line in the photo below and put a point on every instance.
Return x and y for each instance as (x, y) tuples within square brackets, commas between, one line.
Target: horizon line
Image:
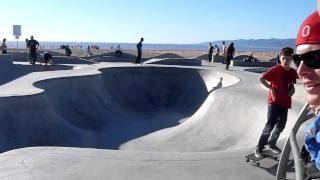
[(57, 41)]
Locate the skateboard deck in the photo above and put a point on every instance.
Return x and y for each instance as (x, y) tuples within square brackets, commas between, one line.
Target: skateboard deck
[(265, 154)]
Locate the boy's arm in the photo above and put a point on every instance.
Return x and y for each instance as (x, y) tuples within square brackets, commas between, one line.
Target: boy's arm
[(291, 90), (291, 85), (268, 86)]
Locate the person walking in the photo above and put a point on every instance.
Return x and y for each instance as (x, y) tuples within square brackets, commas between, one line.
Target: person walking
[(307, 59), (33, 46), (139, 49), (224, 49), (210, 52), (27, 45), (279, 81), (89, 53), (4, 46), (230, 54), (217, 50)]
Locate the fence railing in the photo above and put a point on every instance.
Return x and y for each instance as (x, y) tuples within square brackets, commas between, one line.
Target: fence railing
[(291, 143)]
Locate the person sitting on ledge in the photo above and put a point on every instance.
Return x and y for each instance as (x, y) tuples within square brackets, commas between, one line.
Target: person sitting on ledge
[(68, 50), (47, 58), (118, 51)]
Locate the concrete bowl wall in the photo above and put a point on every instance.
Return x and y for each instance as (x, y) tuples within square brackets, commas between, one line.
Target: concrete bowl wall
[(108, 109)]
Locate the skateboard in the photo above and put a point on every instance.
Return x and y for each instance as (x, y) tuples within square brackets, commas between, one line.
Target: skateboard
[(265, 154)]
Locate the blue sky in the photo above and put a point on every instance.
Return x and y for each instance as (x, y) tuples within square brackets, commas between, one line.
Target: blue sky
[(158, 21)]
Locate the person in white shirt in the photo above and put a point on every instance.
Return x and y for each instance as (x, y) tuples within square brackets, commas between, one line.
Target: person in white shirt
[(224, 48)]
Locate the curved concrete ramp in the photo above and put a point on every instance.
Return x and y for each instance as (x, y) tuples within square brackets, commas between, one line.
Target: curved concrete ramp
[(231, 118), (168, 122), (105, 110)]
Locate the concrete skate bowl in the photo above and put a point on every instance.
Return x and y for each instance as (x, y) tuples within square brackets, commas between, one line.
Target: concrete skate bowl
[(106, 110)]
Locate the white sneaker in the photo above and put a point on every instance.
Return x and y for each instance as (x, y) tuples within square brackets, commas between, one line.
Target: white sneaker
[(258, 153)]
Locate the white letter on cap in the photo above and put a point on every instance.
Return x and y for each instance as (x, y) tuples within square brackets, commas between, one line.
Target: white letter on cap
[(305, 31)]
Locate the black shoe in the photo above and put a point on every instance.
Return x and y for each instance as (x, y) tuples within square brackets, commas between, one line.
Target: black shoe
[(274, 149)]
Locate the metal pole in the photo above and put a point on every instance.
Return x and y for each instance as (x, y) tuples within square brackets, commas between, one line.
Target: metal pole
[(296, 157), (283, 162)]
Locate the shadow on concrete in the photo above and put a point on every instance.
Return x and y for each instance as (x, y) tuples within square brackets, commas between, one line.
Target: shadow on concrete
[(258, 70), (58, 58), (11, 72), (70, 60), (111, 57), (273, 169), (176, 61), (218, 86), (168, 55)]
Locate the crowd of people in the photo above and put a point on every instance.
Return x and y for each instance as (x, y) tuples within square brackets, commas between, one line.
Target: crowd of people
[(227, 53)]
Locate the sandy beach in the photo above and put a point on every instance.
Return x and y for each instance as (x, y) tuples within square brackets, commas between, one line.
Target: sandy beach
[(263, 56)]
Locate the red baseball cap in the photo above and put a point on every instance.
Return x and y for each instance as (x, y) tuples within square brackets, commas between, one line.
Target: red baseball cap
[(309, 32)]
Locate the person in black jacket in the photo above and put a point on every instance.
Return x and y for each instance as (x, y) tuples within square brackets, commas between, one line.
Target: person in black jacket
[(230, 54), (33, 46), (210, 52), (139, 49), (47, 58), (68, 50)]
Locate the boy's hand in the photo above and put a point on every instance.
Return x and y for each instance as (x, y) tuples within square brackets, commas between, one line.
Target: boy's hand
[(273, 93), (291, 91)]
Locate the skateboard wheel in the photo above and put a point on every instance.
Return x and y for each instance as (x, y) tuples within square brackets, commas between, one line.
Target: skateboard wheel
[(247, 160), (258, 164)]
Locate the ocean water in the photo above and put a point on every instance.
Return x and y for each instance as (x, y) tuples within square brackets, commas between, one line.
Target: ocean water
[(240, 45)]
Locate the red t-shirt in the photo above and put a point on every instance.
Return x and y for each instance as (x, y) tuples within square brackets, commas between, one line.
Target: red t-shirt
[(281, 80)]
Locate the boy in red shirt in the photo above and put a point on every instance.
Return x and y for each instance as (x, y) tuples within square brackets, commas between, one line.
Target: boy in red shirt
[(279, 81)]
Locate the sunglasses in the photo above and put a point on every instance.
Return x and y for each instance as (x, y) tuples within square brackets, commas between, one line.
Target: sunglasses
[(310, 59)]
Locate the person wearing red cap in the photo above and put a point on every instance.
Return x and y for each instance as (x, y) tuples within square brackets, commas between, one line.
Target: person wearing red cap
[(307, 59), (279, 81)]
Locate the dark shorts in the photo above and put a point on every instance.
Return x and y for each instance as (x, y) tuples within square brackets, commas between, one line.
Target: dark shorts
[(33, 55)]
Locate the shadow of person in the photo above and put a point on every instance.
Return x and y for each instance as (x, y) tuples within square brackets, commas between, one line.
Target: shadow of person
[(218, 86), (273, 169)]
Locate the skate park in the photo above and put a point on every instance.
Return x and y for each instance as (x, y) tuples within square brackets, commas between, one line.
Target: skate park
[(178, 119)]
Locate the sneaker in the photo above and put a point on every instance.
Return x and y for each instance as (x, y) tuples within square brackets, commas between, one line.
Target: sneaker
[(274, 149), (258, 153)]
